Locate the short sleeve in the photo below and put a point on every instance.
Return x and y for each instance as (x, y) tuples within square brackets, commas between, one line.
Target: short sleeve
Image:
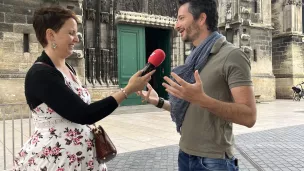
[(237, 69)]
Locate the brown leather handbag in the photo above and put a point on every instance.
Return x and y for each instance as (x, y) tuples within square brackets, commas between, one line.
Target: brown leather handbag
[(105, 149)]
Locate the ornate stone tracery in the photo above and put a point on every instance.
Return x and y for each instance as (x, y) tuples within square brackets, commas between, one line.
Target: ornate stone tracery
[(293, 2)]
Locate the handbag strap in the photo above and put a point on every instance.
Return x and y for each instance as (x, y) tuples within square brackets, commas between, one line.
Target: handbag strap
[(68, 65), (42, 63), (94, 125), (70, 68)]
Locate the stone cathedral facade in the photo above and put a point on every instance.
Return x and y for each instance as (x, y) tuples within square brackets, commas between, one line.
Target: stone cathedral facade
[(117, 36)]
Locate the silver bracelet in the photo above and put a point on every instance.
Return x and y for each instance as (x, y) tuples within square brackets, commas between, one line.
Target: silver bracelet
[(124, 92)]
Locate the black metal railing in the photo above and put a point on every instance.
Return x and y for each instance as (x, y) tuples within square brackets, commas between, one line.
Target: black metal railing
[(16, 125)]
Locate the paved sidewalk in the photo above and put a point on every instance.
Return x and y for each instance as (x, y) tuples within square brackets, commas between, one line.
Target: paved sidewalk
[(283, 119), (158, 159), (146, 138), (275, 149), (279, 149)]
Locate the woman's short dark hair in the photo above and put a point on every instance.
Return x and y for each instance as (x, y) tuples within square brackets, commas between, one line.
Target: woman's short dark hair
[(209, 7), (50, 18)]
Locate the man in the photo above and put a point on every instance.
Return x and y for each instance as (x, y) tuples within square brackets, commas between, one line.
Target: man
[(205, 104)]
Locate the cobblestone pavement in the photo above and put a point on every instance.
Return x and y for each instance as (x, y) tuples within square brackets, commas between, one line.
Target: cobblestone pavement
[(279, 149), (146, 138), (158, 159)]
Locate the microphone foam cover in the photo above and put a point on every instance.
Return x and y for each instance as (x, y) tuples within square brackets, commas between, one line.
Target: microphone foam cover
[(157, 57)]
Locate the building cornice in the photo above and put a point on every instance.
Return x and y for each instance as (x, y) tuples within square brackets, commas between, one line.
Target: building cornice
[(288, 34), (144, 19), (248, 24), (293, 2)]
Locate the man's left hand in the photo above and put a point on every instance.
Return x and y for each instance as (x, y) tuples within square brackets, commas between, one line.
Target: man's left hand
[(192, 93)]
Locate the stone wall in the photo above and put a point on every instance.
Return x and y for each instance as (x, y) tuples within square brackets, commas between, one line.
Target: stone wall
[(16, 31), (247, 24), (261, 61), (288, 59), (288, 63), (102, 92), (178, 51), (15, 26)]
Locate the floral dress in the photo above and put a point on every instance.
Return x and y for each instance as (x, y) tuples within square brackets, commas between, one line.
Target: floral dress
[(58, 144)]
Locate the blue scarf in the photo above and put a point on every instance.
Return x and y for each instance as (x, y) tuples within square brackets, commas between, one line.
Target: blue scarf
[(195, 61)]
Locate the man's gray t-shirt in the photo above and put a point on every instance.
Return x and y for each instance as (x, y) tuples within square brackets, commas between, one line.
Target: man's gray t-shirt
[(202, 133)]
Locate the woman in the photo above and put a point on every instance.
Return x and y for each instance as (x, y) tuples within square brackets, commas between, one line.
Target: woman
[(61, 106)]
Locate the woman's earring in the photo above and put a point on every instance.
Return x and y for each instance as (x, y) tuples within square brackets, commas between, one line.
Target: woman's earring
[(54, 45)]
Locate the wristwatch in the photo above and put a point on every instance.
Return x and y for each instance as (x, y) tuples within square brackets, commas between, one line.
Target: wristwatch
[(161, 102)]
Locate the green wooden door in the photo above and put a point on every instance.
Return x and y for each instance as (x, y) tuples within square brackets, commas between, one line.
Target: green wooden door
[(131, 56)]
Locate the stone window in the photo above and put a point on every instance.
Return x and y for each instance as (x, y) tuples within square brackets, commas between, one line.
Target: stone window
[(257, 13), (229, 35), (255, 58), (26, 43), (255, 6)]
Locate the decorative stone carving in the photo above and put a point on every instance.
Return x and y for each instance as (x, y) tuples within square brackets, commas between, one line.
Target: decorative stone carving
[(245, 10), (246, 49), (105, 5), (293, 2), (255, 17), (144, 19), (228, 13), (227, 26), (246, 22), (245, 37), (89, 4), (91, 14), (130, 5), (164, 8), (105, 17)]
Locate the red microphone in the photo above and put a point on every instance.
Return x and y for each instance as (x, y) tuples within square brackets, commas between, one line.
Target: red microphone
[(155, 59)]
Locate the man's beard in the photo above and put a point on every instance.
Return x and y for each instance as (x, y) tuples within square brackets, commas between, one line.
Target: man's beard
[(193, 28)]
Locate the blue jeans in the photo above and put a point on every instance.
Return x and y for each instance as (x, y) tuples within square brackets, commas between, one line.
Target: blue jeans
[(188, 162)]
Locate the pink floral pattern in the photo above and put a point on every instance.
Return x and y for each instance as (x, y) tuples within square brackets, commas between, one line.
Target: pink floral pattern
[(22, 153), (59, 146), (72, 158), (60, 169), (35, 138), (73, 136), (49, 111), (90, 165), (90, 144)]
